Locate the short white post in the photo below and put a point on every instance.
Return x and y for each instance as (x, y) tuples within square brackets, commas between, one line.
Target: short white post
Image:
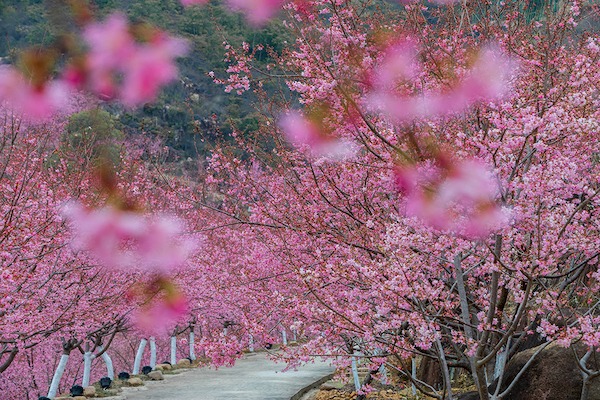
[(173, 350), (414, 375), (192, 344), (357, 384), (152, 352)]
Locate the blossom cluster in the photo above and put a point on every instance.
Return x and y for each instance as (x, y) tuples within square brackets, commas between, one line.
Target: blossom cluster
[(128, 239), (114, 64)]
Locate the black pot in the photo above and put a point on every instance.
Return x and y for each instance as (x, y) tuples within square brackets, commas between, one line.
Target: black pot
[(76, 390), (105, 382), (124, 376)]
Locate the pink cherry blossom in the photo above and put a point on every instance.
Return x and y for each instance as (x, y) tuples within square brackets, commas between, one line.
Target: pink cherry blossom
[(443, 2), (34, 102), (110, 43), (142, 67), (160, 315), (125, 239), (150, 67), (257, 11), (301, 132), (162, 246), (460, 197), (399, 62), (487, 80)]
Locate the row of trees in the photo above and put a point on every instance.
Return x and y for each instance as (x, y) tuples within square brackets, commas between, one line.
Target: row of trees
[(374, 268), (435, 198), (66, 318)]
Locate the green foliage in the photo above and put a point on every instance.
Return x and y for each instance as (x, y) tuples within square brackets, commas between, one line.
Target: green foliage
[(178, 115), (97, 124), (93, 133)]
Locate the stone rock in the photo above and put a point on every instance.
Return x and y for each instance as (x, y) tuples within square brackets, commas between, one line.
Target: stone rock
[(553, 375), (159, 367), (184, 363), (331, 385), (166, 367), (89, 391), (135, 382), (156, 376)]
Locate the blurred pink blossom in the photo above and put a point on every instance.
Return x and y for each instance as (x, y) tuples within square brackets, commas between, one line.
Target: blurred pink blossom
[(399, 62), (459, 197), (300, 132), (158, 317), (257, 11), (115, 56), (34, 102), (125, 239), (150, 67), (110, 43), (487, 80)]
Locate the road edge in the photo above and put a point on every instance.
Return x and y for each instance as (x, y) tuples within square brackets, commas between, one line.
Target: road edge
[(313, 385)]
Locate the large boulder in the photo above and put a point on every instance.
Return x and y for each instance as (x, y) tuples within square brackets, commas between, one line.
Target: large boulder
[(165, 366), (184, 363), (89, 391), (553, 375), (156, 376), (135, 382)]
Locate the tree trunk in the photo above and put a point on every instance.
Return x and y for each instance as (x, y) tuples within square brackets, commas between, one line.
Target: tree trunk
[(110, 371), (87, 368), (60, 370), (138, 357), (585, 388)]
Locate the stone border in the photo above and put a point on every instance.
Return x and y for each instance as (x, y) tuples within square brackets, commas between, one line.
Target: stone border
[(312, 386)]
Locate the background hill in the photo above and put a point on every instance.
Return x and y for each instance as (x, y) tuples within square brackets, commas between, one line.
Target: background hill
[(189, 113)]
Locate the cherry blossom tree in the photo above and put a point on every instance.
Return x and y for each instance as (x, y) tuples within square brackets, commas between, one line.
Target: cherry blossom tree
[(429, 190)]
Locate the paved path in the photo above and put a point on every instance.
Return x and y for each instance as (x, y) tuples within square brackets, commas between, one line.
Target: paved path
[(252, 378)]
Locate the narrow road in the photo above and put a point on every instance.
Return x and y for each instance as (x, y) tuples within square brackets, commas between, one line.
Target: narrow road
[(252, 378)]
